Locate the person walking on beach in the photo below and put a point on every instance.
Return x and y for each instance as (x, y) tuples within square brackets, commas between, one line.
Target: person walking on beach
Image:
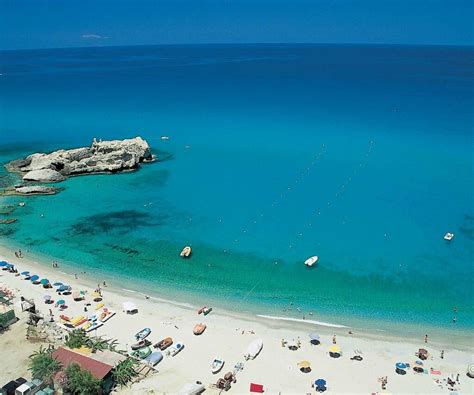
[(426, 338), (75, 276), (442, 354), (334, 339)]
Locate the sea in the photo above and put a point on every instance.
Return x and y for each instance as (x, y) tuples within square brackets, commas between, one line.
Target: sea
[(359, 154)]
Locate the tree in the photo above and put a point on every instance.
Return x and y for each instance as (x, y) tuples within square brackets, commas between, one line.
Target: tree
[(42, 364), (81, 381), (124, 371), (76, 339)]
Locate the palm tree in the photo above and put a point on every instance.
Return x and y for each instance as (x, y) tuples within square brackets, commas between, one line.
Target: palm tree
[(42, 364), (124, 371)]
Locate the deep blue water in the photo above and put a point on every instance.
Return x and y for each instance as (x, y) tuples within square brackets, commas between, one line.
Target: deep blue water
[(362, 155)]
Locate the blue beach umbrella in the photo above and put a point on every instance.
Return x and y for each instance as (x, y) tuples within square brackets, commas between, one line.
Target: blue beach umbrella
[(320, 383), (44, 281), (34, 278), (3, 263), (25, 273), (57, 284), (60, 302), (401, 365), (63, 288)]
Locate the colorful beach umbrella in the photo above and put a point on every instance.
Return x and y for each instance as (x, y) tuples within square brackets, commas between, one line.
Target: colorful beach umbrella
[(44, 281), (25, 273), (34, 278), (320, 383), (60, 302), (401, 365), (335, 349), (304, 364)]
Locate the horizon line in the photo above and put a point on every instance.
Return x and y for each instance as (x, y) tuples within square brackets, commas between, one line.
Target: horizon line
[(236, 44)]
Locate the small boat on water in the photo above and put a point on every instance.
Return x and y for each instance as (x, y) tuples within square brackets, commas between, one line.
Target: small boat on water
[(217, 365), (164, 137), (199, 329), (254, 349), (448, 236), (186, 252), (141, 344), (311, 261), (164, 344), (143, 334), (176, 348)]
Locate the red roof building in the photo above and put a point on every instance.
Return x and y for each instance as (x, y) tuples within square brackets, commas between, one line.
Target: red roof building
[(98, 369)]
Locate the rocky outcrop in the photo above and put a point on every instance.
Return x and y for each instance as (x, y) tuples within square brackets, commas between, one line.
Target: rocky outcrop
[(101, 157), (34, 190), (45, 175)]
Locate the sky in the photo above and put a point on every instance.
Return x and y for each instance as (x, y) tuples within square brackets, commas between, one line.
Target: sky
[(79, 23)]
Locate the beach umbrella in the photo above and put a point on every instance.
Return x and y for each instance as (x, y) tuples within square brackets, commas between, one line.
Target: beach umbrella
[(313, 336), (401, 365), (44, 281), (470, 370), (60, 302), (63, 288), (3, 263), (34, 278), (335, 349), (47, 298), (320, 383), (25, 273), (305, 366), (57, 284)]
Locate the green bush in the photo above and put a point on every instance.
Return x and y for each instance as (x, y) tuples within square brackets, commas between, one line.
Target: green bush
[(81, 381)]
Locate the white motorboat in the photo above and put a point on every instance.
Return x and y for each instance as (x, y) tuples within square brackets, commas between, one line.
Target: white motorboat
[(449, 236), (254, 349), (186, 252), (311, 261), (165, 137), (217, 365), (176, 348)]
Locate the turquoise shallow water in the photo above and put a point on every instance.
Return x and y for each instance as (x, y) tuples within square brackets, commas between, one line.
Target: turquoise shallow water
[(359, 154)]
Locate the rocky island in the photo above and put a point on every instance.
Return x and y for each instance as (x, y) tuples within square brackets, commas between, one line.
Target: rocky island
[(101, 157)]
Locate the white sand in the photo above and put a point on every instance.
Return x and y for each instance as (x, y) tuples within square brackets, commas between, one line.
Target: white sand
[(276, 367)]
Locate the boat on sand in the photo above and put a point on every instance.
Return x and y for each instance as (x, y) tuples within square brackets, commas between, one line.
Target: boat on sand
[(164, 344), (143, 334), (217, 365), (176, 348), (199, 329), (254, 349), (141, 344)]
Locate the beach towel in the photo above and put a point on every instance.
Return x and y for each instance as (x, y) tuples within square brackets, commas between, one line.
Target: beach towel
[(435, 371), (256, 388)]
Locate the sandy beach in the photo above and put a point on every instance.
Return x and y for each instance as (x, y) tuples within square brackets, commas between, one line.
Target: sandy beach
[(228, 336)]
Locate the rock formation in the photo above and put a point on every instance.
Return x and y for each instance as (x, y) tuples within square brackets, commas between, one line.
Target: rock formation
[(101, 157)]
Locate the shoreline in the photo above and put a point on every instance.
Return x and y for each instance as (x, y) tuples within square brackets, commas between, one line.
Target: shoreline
[(275, 367), (41, 263)]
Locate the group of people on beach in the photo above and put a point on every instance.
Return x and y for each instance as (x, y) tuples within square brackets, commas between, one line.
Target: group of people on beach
[(19, 254)]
